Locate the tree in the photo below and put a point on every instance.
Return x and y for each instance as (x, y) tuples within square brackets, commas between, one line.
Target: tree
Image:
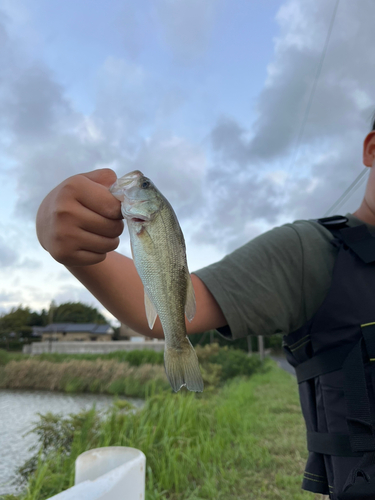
[(76, 312), (21, 320)]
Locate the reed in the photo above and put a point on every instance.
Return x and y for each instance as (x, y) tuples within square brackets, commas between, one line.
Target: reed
[(126, 373), (100, 376)]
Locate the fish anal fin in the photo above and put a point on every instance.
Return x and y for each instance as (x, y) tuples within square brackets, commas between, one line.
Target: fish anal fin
[(151, 313), (190, 306)]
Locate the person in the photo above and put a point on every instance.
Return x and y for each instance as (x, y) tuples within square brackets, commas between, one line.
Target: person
[(272, 284), (275, 283)]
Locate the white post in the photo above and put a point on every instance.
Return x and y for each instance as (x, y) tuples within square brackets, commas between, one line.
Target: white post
[(110, 473), (261, 347)]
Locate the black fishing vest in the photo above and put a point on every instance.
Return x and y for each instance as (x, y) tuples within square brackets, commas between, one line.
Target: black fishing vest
[(334, 358)]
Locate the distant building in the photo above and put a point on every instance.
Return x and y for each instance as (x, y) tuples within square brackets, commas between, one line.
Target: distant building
[(65, 332), (127, 333)]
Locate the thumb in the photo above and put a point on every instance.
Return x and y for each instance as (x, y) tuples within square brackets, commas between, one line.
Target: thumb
[(104, 176)]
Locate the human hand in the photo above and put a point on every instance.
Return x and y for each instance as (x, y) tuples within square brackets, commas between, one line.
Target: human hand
[(80, 221)]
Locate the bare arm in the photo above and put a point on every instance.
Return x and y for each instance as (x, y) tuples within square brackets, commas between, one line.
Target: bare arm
[(79, 223), (116, 284)]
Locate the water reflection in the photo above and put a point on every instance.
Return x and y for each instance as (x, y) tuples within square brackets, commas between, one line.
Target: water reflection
[(18, 414)]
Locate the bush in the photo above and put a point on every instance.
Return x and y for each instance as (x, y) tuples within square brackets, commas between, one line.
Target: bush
[(11, 345), (270, 341), (233, 362), (137, 358)]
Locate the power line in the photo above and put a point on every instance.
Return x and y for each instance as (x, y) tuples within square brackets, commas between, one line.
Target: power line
[(312, 93), (357, 183)]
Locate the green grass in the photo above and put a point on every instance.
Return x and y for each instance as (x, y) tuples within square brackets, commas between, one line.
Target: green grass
[(6, 357), (244, 441)]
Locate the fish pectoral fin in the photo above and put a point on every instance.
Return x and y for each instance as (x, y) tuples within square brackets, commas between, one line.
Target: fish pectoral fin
[(190, 306), (151, 313)]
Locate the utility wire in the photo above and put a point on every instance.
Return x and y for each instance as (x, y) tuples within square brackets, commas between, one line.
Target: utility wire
[(356, 184), (348, 192), (313, 89)]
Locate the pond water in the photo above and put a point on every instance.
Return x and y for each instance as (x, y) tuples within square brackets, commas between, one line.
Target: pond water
[(18, 414)]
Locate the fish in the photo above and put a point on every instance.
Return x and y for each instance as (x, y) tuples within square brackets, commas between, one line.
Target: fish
[(159, 254)]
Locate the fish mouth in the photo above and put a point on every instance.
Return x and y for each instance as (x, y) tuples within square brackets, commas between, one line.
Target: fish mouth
[(139, 219), (124, 183)]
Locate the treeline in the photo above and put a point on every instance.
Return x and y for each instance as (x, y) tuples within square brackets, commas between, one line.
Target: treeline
[(16, 326)]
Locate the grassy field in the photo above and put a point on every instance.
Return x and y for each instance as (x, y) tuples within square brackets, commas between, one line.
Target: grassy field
[(243, 441)]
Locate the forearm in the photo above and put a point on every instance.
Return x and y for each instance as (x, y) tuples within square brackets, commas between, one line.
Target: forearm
[(116, 284), (79, 224)]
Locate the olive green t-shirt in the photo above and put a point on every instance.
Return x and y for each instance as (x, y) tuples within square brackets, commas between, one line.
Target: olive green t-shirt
[(275, 282)]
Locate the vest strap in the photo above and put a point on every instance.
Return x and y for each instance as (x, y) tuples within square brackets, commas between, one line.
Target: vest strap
[(357, 400), (326, 362), (331, 444), (357, 238), (360, 240)]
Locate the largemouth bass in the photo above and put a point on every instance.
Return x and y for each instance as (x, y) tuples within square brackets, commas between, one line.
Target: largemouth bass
[(158, 249)]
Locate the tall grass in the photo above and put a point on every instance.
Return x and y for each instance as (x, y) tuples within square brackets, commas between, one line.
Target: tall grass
[(83, 376), (126, 373), (246, 441), (133, 358)]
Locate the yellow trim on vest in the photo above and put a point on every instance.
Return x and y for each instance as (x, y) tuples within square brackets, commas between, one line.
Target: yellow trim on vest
[(296, 348), (316, 475), (300, 340), (315, 480), (368, 324)]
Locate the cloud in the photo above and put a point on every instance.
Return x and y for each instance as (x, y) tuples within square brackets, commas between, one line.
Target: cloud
[(72, 293), (187, 26), (8, 256), (246, 186), (36, 107), (30, 264), (344, 92), (49, 140), (10, 299), (245, 178), (177, 167), (42, 168)]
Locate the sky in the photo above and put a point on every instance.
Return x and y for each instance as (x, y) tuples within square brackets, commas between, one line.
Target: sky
[(226, 105)]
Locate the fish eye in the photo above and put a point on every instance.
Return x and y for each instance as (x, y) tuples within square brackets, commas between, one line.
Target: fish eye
[(145, 184)]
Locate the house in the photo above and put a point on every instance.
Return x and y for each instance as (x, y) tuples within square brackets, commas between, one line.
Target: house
[(127, 333), (65, 332)]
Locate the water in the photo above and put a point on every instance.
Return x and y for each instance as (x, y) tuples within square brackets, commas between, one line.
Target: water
[(18, 414)]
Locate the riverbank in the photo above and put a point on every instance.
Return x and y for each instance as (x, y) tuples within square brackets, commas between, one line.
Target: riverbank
[(245, 441), (19, 412), (132, 374)]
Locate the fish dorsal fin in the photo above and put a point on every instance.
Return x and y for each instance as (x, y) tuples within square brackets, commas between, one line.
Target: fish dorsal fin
[(190, 306), (151, 313)]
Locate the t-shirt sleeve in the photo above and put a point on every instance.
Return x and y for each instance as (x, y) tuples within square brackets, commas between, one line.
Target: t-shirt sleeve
[(259, 286)]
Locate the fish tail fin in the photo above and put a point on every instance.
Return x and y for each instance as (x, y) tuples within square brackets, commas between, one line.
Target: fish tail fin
[(182, 368)]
